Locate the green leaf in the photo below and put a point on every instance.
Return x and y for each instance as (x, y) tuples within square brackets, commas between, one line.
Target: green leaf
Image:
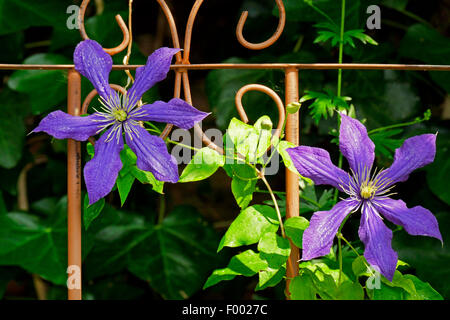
[(243, 184), (426, 254), (13, 110), (249, 226), (384, 143), (423, 289), (294, 227), (124, 184), (274, 249), (18, 15), (427, 45), (387, 293), (281, 148), (91, 212), (146, 177), (270, 277), (247, 264), (350, 291), (3, 209), (204, 164), (130, 171), (302, 287), (359, 267), (438, 173), (37, 245), (46, 88), (324, 104), (263, 127), (244, 138), (174, 257)]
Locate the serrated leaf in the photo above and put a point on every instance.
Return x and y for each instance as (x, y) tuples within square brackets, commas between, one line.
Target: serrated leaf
[(384, 143), (249, 226)]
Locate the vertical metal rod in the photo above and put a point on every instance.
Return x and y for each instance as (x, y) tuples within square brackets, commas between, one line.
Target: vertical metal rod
[(74, 192), (292, 180)]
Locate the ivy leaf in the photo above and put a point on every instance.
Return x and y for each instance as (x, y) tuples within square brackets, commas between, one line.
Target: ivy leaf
[(204, 164), (12, 129), (428, 45), (294, 227), (174, 257), (249, 226), (247, 263), (46, 88), (27, 13), (35, 244)]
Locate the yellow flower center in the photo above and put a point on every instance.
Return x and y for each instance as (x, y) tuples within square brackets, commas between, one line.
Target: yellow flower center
[(367, 191), (120, 115)]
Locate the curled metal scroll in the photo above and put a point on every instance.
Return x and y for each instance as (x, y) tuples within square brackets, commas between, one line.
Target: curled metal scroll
[(270, 93), (268, 42), (120, 22)]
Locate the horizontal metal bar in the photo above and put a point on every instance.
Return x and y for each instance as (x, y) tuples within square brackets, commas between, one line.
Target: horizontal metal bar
[(209, 66)]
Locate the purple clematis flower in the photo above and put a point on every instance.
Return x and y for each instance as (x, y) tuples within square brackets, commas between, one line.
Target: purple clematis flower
[(367, 191), (121, 114)]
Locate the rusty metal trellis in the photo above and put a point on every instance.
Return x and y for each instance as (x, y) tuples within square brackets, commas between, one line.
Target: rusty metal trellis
[(181, 68)]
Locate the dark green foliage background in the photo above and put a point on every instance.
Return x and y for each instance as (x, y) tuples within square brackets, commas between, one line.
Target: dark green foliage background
[(127, 253)]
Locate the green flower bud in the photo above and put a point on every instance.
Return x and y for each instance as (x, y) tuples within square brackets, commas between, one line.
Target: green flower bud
[(293, 107)]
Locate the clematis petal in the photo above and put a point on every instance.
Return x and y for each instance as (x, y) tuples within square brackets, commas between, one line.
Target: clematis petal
[(315, 163), (95, 64), (377, 240), (416, 152), (62, 125), (176, 111), (152, 154), (100, 173), (356, 146), (323, 226), (417, 221), (155, 70)]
